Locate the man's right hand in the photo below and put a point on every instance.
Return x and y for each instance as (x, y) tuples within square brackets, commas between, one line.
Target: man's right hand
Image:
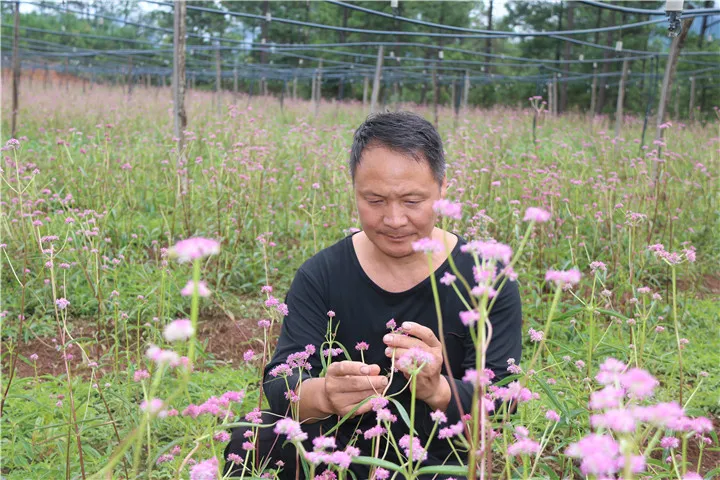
[(349, 383)]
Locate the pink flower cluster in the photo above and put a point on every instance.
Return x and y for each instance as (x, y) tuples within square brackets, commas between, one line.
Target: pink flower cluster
[(449, 209), (180, 329), (215, 406), (489, 250), (205, 470), (427, 245), (564, 279), (194, 248), (291, 429), (514, 391), (414, 358), (418, 452), (537, 215), (673, 258), (523, 444)]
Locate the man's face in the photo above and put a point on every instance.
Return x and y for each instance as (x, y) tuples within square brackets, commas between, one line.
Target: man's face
[(395, 195)]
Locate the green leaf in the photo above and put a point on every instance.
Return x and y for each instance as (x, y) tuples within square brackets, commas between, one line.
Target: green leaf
[(555, 401), (377, 462), (402, 411), (444, 470)]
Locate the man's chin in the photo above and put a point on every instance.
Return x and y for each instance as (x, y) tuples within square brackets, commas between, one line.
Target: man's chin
[(394, 246)]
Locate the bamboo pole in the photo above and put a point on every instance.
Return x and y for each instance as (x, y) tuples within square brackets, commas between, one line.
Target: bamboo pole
[(218, 80), (593, 94), (376, 81), (466, 92), (366, 82), (294, 88)]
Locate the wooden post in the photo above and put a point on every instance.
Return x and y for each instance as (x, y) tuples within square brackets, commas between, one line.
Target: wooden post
[(218, 79), (466, 92), (16, 70), (178, 80), (294, 88), (677, 102), (376, 81), (691, 107), (555, 95), (47, 76), (366, 82), (593, 94), (670, 66), (620, 101), (453, 92)]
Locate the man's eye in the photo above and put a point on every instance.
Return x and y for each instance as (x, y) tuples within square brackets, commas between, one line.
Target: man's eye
[(374, 202), (411, 202)]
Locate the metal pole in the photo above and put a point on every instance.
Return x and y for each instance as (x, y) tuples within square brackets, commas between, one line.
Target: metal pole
[(691, 107), (620, 100)]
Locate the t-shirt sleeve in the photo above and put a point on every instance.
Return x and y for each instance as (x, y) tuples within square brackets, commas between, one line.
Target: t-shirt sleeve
[(506, 342), (305, 324)]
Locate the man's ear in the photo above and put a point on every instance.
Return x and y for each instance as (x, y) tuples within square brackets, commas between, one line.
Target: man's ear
[(443, 187)]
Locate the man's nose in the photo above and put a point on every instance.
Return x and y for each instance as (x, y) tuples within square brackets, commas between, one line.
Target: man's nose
[(395, 216)]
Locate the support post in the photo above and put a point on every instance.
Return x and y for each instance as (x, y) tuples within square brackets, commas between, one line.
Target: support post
[(235, 81), (218, 79), (376, 81), (551, 100), (436, 93), (620, 101), (178, 79), (466, 92), (593, 94), (366, 82), (16, 70), (294, 88), (130, 75), (691, 106)]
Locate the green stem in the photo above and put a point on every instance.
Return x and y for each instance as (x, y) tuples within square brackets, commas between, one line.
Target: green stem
[(677, 332)]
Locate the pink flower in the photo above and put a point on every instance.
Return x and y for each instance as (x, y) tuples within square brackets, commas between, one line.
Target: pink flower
[(34, 357), (180, 329), (291, 429), (595, 266), (447, 208), (203, 290), (524, 446), (563, 278), (599, 454), (639, 383), (415, 357), (221, 436), (382, 474), (331, 314), (617, 420), (669, 442), (608, 397), (610, 371), (469, 317), (489, 250), (552, 415), (235, 458), (160, 356), (373, 432), (62, 303), (451, 431), (438, 416), (535, 336), (427, 245), (248, 355), (140, 375), (205, 470), (691, 476), (154, 407), (448, 279), (361, 346), (482, 379), (538, 215), (418, 452), (194, 248)]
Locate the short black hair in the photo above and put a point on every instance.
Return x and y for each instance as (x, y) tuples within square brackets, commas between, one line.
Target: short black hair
[(403, 132)]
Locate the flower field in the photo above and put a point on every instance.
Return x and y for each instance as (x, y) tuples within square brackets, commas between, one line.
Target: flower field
[(130, 345)]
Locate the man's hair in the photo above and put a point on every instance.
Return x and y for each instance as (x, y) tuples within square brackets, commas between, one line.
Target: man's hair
[(403, 132)]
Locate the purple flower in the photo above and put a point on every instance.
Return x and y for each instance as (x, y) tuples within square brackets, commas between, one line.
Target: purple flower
[(180, 329), (291, 429), (552, 415), (438, 416), (361, 346), (202, 288), (535, 336), (489, 250), (427, 245), (669, 442)]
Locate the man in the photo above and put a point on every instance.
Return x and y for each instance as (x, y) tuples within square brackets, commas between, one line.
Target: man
[(371, 277)]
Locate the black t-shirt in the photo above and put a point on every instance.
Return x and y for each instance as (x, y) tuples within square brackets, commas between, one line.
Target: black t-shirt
[(334, 280)]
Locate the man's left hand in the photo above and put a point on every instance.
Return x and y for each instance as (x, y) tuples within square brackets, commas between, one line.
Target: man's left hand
[(431, 387)]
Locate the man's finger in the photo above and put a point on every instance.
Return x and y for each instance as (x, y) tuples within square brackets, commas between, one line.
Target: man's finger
[(347, 367), (360, 383), (402, 341), (422, 332)]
